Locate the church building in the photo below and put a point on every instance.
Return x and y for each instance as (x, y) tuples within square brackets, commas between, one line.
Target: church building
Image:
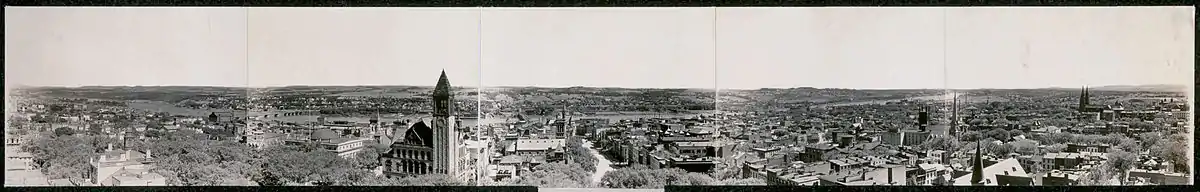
[(432, 145)]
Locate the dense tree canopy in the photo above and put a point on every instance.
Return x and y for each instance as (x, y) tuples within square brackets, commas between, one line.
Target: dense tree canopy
[(1121, 162), (998, 134), (1174, 149), (578, 154), (557, 175), (64, 131), (368, 158), (63, 156), (420, 180), (287, 164), (940, 143), (641, 177)]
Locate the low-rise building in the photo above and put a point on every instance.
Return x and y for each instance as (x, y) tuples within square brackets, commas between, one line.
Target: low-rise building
[(929, 174), (1061, 178), (260, 140), (1161, 177), (344, 147), (1010, 169), (889, 174), (124, 168)]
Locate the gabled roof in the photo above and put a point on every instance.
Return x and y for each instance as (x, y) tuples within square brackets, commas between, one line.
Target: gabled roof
[(419, 131), (1010, 167)]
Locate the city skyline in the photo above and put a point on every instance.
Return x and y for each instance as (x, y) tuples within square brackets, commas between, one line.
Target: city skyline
[(702, 48)]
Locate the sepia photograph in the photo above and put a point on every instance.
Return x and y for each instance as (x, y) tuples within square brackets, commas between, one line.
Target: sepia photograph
[(586, 99)]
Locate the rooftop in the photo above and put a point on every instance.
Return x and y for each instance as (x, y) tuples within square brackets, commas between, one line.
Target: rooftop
[(24, 178), (539, 144), (1010, 167), (695, 144)]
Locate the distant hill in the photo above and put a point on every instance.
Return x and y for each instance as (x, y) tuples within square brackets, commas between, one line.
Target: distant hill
[(1146, 88)]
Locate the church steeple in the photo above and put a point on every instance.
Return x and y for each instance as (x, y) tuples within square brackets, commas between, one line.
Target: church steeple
[(954, 116), (977, 164), (1083, 99), (442, 98), (443, 86)]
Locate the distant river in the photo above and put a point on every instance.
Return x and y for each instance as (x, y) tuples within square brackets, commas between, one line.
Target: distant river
[(610, 117)]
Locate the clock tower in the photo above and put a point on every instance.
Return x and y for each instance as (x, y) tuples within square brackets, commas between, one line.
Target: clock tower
[(444, 128)]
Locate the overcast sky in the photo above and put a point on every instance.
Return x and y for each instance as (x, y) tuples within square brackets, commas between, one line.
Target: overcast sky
[(609, 47), (363, 46), (954, 47), (605, 47), (125, 46)]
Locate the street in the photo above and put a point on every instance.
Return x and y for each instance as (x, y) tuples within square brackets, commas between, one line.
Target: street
[(603, 165)]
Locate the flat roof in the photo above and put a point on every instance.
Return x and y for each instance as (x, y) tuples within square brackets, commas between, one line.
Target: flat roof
[(695, 144)]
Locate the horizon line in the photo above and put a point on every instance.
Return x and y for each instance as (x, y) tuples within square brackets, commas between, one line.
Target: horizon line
[(599, 87)]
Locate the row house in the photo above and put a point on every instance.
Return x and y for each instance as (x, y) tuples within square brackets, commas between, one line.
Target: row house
[(1095, 148), (887, 174), (929, 174)]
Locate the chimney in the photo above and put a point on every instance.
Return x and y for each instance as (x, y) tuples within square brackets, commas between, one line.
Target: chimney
[(109, 147)]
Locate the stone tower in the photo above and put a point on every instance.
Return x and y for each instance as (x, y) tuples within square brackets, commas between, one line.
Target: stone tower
[(444, 128), (1083, 99)]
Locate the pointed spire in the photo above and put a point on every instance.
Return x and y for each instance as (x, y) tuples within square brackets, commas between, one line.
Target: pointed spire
[(977, 163), (443, 85), (1083, 95), (954, 116)]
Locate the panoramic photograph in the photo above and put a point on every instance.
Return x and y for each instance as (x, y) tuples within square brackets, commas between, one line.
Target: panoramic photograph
[(958, 97), (569, 99)]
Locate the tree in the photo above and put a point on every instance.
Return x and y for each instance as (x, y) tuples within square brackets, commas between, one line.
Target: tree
[(1121, 162), (940, 143), (1096, 177), (970, 136), (1015, 132), (1149, 139), (1128, 144), (580, 155), (1087, 139), (1048, 138), (998, 134), (61, 157), (1024, 147), (1173, 149), (64, 131), (367, 158), (429, 180), (557, 175), (1055, 148), (641, 177)]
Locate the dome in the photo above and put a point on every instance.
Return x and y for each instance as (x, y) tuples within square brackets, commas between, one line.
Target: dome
[(323, 134)]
